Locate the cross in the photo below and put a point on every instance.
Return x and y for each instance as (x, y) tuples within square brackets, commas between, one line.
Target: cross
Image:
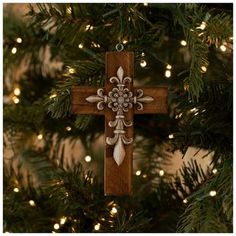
[(118, 101)]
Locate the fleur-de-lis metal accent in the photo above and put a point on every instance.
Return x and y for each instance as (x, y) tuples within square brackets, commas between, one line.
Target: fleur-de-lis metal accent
[(120, 99)]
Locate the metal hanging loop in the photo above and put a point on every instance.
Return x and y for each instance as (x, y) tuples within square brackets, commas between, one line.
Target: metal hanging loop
[(119, 47)]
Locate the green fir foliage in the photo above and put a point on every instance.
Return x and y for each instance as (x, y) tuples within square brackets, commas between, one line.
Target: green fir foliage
[(46, 188)]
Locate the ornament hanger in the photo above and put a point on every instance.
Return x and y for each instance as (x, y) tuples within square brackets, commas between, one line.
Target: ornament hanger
[(119, 47)]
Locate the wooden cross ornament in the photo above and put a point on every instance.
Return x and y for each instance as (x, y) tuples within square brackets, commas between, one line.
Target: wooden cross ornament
[(118, 101)]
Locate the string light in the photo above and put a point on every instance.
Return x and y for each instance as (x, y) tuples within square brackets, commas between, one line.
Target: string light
[(183, 43), (53, 96), (138, 172), (56, 226), (97, 226), (194, 110), (185, 201), (68, 128), (223, 48), (80, 45), (53, 232), (32, 203), (214, 171), (88, 27), (142, 54), (125, 41), (145, 4), (16, 91), (144, 176), (69, 10), (19, 40), (161, 172), (16, 190), (15, 99), (168, 67), (113, 210), (88, 158), (40, 136), (171, 136), (178, 116), (143, 63), (168, 74), (202, 26), (212, 193), (71, 70), (204, 69), (63, 220), (14, 50)]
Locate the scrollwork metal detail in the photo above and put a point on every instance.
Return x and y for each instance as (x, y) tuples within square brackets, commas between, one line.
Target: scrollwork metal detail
[(120, 99)]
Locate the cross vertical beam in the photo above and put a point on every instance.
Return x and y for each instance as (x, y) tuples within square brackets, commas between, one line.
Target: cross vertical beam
[(118, 178)]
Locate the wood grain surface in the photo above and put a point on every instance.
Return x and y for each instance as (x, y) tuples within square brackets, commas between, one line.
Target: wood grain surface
[(79, 105), (118, 178)]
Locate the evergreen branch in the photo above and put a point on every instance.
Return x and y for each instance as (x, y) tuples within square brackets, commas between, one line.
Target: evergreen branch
[(218, 29)]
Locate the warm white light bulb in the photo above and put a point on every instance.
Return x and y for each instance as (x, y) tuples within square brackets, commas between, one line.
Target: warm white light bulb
[(71, 70), (143, 63), (203, 25), (168, 67), (53, 96), (214, 171), (194, 110), (171, 136), (16, 190), (212, 193), (161, 172), (145, 4), (183, 43), (88, 158), (14, 50), (15, 99), (69, 10), (63, 220), (19, 40), (32, 203), (138, 172), (68, 128), (40, 136), (80, 45), (97, 226), (185, 201), (56, 226), (88, 27), (223, 48), (113, 210), (204, 69), (168, 74), (17, 91), (125, 41)]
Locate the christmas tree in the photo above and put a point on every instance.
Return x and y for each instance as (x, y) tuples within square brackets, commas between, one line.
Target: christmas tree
[(53, 159)]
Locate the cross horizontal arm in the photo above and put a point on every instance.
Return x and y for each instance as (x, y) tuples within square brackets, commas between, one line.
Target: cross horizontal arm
[(159, 103), (79, 105)]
